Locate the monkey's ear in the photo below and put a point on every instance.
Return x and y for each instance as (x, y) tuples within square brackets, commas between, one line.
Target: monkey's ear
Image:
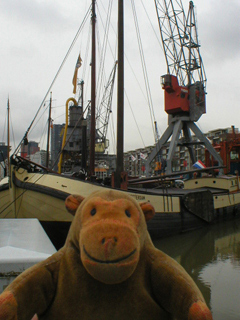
[(148, 210), (72, 202)]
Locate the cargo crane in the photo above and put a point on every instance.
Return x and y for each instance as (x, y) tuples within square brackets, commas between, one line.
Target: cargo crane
[(184, 84), (103, 113)]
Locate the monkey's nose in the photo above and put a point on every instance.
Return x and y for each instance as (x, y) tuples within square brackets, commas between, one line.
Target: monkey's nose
[(109, 244), (111, 240)]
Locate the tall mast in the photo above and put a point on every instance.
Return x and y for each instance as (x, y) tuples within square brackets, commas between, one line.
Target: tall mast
[(8, 137), (120, 94), (49, 125), (93, 92), (84, 132)]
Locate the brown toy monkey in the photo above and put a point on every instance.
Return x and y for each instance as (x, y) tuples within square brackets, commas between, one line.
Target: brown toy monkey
[(108, 269)]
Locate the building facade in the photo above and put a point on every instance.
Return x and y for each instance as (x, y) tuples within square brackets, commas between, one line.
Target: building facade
[(39, 157), (56, 144), (134, 160), (29, 148)]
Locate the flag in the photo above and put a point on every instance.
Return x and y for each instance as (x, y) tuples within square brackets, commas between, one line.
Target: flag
[(78, 65), (199, 165), (133, 158), (143, 156)]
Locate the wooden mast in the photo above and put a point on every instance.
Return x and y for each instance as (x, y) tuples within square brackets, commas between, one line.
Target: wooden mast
[(118, 180), (84, 133), (93, 93), (8, 138), (49, 125)]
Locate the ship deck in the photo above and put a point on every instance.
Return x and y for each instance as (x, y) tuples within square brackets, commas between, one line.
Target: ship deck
[(175, 191)]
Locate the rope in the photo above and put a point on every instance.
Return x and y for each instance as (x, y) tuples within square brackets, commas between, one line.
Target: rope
[(44, 133), (150, 21), (139, 131), (4, 127), (20, 195), (60, 68), (112, 131), (104, 46), (12, 130), (149, 97)]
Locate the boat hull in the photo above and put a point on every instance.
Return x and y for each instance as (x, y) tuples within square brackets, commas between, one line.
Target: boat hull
[(42, 196), (5, 200)]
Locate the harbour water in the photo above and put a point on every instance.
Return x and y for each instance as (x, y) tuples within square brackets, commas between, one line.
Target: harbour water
[(212, 257)]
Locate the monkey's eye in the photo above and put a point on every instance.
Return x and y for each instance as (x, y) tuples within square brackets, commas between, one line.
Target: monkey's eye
[(93, 211), (128, 214)]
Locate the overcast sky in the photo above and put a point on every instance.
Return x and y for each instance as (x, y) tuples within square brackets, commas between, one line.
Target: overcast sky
[(36, 34)]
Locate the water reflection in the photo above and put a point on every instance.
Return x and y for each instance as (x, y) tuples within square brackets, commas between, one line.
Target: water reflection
[(212, 257)]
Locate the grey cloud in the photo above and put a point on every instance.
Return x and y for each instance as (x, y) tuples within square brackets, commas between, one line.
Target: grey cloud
[(38, 14), (219, 30)]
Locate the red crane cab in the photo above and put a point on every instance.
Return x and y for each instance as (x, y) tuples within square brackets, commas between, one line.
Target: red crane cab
[(176, 97)]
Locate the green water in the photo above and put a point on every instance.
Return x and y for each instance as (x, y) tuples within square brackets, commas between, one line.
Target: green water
[(212, 257)]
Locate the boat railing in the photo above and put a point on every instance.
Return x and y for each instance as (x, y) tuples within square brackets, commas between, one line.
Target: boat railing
[(29, 165), (175, 175)]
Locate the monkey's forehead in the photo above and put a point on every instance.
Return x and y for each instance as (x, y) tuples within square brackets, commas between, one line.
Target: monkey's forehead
[(114, 203), (117, 205)]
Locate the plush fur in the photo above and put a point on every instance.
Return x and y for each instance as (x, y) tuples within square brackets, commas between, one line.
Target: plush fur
[(108, 269)]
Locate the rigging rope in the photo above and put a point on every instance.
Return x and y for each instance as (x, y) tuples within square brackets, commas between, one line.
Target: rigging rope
[(39, 118), (17, 197), (24, 191), (12, 129), (112, 132), (44, 131), (149, 97), (86, 73), (102, 51), (109, 24), (139, 131), (60, 68), (150, 21), (4, 127)]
